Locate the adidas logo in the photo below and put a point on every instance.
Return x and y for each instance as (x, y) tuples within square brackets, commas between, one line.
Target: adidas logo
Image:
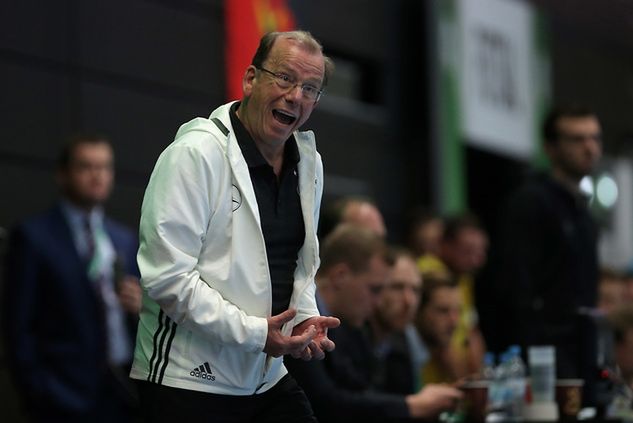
[(203, 372)]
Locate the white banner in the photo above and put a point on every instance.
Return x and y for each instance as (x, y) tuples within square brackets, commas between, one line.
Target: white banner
[(498, 87)]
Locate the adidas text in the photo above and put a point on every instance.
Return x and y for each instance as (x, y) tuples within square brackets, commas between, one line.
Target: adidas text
[(203, 372), (198, 374)]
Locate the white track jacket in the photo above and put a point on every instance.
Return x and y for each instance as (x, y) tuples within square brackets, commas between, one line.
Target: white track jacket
[(206, 283)]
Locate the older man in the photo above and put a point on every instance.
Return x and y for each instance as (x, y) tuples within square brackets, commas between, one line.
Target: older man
[(229, 251)]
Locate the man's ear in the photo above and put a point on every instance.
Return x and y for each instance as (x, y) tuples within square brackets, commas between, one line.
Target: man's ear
[(248, 80)]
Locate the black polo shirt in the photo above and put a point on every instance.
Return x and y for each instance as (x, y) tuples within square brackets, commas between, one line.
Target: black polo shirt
[(279, 211)]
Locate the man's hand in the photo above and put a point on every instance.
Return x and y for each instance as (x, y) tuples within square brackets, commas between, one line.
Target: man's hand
[(308, 339), (321, 343), (432, 400), (130, 294), (278, 344)]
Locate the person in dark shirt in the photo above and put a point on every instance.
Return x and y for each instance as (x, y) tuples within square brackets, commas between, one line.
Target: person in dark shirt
[(353, 272), (398, 347), (545, 265)]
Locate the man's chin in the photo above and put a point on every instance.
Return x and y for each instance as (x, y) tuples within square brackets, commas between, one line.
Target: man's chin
[(89, 202)]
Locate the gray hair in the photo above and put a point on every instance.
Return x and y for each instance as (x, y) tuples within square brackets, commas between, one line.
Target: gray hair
[(304, 38)]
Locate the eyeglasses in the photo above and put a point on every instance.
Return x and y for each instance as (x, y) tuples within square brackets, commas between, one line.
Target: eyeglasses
[(286, 82)]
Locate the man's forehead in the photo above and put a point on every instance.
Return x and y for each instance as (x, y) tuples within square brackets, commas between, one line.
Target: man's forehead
[(405, 277), (401, 283), (282, 45), (444, 292), (578, 124), (87, 149), (285, 47)]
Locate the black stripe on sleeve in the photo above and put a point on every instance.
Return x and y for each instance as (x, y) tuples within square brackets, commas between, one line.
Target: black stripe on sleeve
[(167, 349), (155, 344), (160, 349)]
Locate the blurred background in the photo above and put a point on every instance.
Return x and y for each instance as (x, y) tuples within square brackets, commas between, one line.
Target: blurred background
[(434, 103)]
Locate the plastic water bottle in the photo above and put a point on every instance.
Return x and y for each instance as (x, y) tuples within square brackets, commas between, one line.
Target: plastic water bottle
[(515, 382), (497, 393), (488, 368)]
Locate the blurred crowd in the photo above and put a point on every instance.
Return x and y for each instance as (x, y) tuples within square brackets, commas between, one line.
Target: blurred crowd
[(416, 319)]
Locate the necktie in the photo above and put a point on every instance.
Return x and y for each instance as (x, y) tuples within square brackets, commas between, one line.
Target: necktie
[(96, 275), (90, 240), (95, 254), (97, 261)]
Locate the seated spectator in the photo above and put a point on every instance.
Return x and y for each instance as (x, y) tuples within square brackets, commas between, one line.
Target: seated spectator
[(354, 267), (436, 320), (424, 232), (611, 291), (357, 211), (463, 252), (622, 324), (397, 344)]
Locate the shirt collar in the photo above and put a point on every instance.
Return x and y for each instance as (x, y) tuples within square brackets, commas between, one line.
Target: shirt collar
[(249, 149), (76, 216)]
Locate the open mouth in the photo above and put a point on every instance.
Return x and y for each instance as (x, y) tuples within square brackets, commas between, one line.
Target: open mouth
[(283, 117)]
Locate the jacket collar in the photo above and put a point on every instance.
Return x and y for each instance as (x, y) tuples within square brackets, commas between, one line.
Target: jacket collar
[(307, 166), (251, 153)]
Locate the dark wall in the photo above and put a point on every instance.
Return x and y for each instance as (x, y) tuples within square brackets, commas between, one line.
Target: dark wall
[(137, 69), (590, 70), (378, 141), (134, 70)]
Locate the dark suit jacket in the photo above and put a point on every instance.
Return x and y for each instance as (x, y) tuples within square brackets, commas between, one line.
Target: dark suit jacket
[(340, 387), (54, 331)]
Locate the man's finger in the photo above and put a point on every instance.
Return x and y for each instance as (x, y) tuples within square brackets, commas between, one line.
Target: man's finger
[(298, 343), (284, 317), (316, 352), (331, 322), (306, 355), (327, 344)]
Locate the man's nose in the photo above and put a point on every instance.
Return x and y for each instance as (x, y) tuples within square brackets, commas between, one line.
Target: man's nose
[(294, 93), (455, 316), (410, 297)]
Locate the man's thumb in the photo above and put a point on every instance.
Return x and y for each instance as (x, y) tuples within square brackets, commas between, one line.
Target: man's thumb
[(286, 316)]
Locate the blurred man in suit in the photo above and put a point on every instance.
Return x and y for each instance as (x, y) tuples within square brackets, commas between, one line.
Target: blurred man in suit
[(72, 297)]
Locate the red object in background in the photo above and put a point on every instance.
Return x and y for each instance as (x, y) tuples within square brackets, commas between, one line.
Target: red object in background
[(528, 393), (246, 21)]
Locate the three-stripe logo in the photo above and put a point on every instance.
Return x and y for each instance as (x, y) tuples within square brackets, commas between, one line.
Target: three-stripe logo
[(163, 338), (203, 371)]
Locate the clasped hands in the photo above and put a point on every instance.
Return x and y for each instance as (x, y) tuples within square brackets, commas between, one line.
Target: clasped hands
[(308, 340)]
